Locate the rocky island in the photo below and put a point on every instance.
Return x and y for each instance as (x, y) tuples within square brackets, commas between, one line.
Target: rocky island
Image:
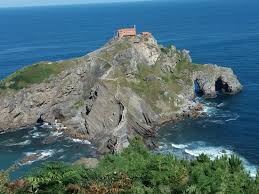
[(126, 88)]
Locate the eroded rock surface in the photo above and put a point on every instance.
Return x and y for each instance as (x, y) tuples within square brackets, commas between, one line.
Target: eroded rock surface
[(212, 79), (127, 87)]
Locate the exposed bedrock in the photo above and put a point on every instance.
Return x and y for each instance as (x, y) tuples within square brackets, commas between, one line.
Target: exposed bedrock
[(214, 79), (126, 88), (51, 100)]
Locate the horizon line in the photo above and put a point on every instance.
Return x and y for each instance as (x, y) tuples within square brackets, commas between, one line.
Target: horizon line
[(73, 4)]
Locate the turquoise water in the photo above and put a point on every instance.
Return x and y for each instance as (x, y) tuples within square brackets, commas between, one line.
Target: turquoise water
[(50, 145), (221, 32)]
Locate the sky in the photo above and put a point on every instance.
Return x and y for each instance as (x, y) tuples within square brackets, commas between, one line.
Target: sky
[(25, 3)]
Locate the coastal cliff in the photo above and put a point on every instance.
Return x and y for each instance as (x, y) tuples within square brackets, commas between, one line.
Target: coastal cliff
[(127, 87)]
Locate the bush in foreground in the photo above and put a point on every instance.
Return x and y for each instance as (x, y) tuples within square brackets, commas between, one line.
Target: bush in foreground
[(136, 170)]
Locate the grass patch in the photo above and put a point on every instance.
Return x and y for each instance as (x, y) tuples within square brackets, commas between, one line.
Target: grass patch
[(77, 105), (107, 66), (34, 74), (152, 91), (184, 69), (109, 53)]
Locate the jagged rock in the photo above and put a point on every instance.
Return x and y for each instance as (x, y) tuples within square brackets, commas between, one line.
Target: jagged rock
[(213, 78), (127, 87), (30, 158), (186, 54)]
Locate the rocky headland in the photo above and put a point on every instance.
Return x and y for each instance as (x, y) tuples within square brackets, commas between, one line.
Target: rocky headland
[(126, 88)]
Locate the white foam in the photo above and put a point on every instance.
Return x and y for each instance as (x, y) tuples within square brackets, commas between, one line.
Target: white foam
[(80, 141), (217, 152), (220, 116), (160, 147), (47, 153), (61, 157), (233, 119), (26, 142), (221, 105), (179, 146), (216, 121), (34, 129), (60, 150), (212, 152), (38, 135), (210, 110), (56, 133), (46, 126), (252, 169), (67, 146), (43, 155), (199, 147)]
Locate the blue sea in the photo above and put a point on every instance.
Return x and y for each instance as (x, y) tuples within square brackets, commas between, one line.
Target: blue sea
[(215, 31)]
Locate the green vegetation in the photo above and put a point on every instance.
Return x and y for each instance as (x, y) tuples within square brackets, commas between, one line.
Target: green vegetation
[(155, 85), (4, 178), (78, 104), (107, 66), (136, 170), (109, 53), (167, 49), (151, 91), (183, 70), (33, 74), (170, 82)]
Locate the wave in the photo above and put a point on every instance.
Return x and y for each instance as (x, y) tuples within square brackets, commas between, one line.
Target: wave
[(79, 141), (56, 133), (61, 157), (221, 105), (210, 110), (23, 143), (46, 126), (194, 149), (217, 152), (31, 157), (216, 114), (220, 122), (233, 119), (179, 146), (34, 129), (39, 135), (212, 152)]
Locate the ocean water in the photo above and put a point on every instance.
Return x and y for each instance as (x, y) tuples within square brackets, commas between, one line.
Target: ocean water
[(220, 32), (20, 148)]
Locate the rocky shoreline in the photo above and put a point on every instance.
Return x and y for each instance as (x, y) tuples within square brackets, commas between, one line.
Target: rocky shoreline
[(129, 87)]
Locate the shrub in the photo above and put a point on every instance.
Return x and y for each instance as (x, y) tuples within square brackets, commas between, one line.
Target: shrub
[(137, 170)]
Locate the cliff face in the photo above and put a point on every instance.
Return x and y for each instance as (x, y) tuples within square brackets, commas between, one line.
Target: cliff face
[(125, 88), (213, 79)]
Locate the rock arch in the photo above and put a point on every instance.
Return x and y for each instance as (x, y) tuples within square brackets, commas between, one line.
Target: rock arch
[(213, 80), (221, 86), (198, 89)]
